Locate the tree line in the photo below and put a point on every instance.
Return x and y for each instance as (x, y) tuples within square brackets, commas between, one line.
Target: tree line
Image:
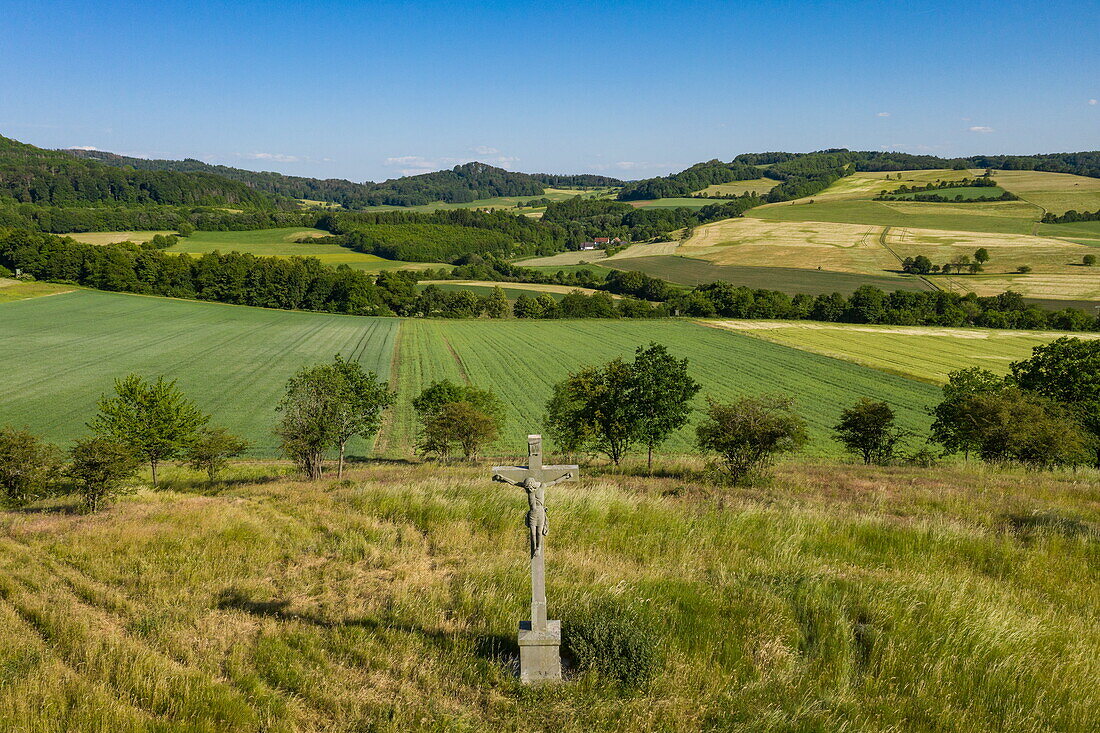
[(1044, 413), (1071, 216), (304, 283)]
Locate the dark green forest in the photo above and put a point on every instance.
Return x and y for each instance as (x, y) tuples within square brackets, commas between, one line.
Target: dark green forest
[(461, 184), (32, 175)]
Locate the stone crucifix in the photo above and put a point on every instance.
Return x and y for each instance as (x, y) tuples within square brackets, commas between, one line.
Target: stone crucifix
[(539, 638)]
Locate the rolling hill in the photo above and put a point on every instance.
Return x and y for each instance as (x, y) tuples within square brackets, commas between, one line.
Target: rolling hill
[(31, 175), (462, 184)]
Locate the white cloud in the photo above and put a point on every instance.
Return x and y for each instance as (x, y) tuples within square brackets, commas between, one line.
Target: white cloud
[(84, 147), (882, 114), (412, 165), (1092, 101), (277, 157), (980, 128)]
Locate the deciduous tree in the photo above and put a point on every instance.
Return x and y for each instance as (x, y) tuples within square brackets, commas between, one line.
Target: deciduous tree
[(869, 430), (153, 419)]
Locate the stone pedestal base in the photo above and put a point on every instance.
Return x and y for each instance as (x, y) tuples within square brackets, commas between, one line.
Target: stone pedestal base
[(539, 654)]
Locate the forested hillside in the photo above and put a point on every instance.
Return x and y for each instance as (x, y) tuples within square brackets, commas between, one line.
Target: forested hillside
[(461, 184), (804, 174), (45, 177)]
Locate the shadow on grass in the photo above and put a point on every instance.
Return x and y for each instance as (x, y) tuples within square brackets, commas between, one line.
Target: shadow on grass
[(203, 485), (67, 508), (1038, 523), (496, 648)]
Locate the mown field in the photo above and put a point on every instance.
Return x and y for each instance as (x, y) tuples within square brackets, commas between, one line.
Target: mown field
[(113, 237), (925, 353), (58, 354), (62, 352), (16, 290), (691, 271), (839, 598), (511, 290)]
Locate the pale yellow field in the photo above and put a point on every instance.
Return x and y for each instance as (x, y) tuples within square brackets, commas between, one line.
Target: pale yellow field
[(1055, 192), (537, 287), (1080, 285), (563, 259), (811, 245), (1006, 251), (647, 249), (919, 177), (739, 188), (112, 237)]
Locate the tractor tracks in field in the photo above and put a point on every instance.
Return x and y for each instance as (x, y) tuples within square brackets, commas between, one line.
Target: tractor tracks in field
[(385, 432), (886, 246)]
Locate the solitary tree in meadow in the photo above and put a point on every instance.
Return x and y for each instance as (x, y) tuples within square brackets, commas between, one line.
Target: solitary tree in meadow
[(153, 419), (307, 419), (662, 392), (869, 429), (592, 409), (360, 400), (1088, 260), (461, 415)]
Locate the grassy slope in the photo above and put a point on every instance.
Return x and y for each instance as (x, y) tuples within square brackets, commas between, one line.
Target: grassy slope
[(521, 360), (838, 598), (59, 354), (928, 354), (1055, 192)]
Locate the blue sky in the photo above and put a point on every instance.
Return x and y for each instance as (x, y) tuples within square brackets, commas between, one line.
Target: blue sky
[(371, 90)]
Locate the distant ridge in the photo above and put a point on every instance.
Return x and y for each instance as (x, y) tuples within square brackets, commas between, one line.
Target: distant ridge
[(34, 175), (461, 184)]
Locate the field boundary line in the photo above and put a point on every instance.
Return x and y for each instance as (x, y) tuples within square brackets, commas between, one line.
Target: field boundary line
[(385, 432), (458, 360)]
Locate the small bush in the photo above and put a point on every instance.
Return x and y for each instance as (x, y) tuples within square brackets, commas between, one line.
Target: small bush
[(614, 642)]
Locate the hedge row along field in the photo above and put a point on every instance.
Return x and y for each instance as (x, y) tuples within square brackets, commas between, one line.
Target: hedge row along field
[(62, 352)]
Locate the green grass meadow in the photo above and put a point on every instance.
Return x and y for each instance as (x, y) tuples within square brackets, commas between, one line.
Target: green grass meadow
[(62, 352), (521, 360), (838, 598)]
